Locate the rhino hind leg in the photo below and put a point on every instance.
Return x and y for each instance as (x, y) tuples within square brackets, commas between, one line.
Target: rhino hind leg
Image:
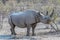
[(33, 29), (12, 30), (28, 30), (12, 26)]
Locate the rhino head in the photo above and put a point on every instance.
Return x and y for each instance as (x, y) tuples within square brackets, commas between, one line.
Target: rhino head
[(46, 18)]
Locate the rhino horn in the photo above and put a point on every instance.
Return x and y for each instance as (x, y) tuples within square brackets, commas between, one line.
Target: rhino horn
[(52, 13), (47, 13)]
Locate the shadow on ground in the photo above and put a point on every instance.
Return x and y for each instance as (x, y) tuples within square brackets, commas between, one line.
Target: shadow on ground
[(50, 33)]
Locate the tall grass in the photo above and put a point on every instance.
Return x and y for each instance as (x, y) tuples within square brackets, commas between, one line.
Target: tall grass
[(12, 5)]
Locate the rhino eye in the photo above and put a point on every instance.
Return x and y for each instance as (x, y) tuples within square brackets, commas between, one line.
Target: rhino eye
[(45, 18)]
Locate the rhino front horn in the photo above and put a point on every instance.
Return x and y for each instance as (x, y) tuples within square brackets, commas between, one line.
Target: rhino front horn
[(52, 13)]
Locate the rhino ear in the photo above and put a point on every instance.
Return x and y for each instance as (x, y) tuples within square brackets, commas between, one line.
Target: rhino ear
[(52, 13), (39, 13), (42, 14), (46, 13)]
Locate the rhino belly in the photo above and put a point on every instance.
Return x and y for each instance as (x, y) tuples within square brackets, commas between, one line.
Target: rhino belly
[(18, 21)]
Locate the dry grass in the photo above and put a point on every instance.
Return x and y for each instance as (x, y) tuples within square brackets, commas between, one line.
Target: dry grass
[(13, 6)]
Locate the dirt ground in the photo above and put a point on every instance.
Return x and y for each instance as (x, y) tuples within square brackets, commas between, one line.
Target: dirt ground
[(42, 33)]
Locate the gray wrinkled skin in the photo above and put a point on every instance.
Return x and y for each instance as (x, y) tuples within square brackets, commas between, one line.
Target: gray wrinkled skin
[(25, 19), (28, 19)]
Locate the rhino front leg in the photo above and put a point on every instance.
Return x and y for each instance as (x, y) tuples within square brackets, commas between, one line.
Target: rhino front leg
[(33, 29), (28, 30)]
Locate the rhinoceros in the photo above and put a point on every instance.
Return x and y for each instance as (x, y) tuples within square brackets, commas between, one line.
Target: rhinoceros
[(27, 19)]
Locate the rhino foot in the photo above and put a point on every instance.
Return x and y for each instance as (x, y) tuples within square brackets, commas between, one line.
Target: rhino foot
[(27, 35), (33, 34)]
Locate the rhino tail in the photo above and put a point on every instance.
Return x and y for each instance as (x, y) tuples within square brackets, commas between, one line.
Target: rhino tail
[(10, 21)]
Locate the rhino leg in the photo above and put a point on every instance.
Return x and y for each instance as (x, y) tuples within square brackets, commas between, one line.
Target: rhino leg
[(33, 29), (12, 30), (28, 30)]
